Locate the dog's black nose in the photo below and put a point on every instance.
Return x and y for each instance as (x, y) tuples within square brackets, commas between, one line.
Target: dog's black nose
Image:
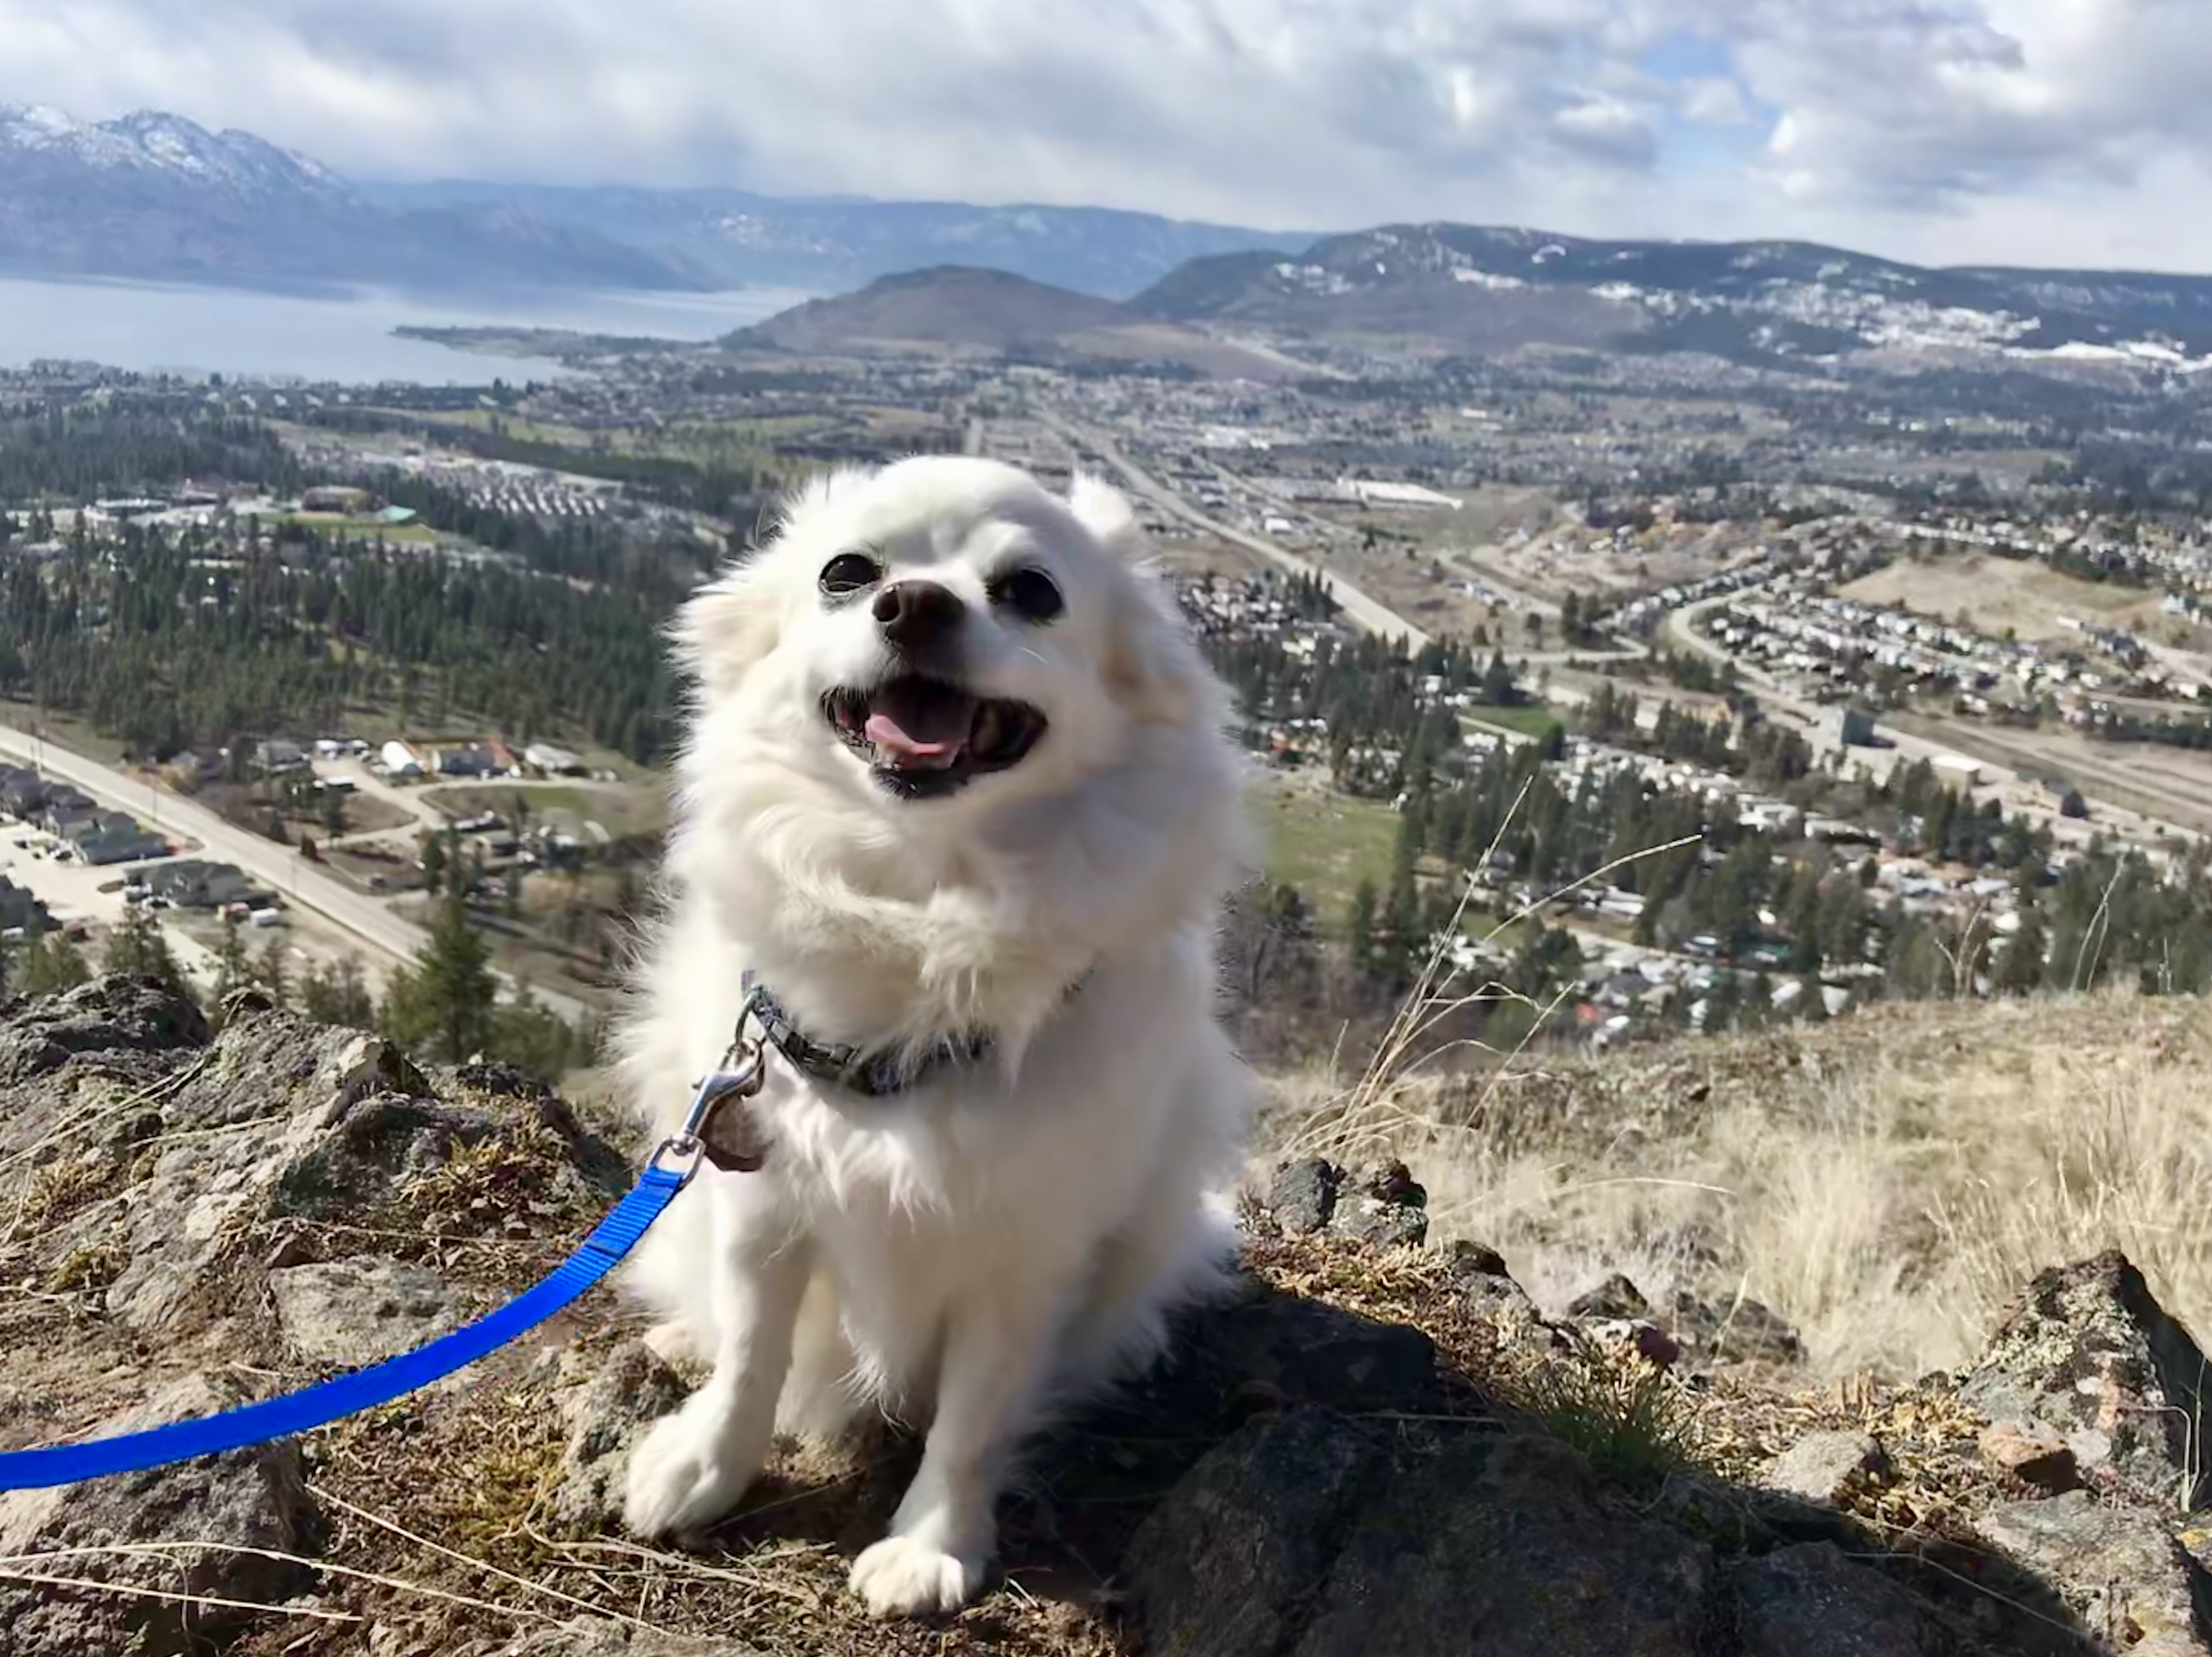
[(915, 615)]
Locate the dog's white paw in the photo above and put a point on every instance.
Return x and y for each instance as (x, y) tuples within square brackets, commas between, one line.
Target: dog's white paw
[(684, 1476), (902, 1576)]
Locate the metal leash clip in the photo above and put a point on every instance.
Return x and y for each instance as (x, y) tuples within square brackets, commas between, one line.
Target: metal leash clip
[(718, 1127)]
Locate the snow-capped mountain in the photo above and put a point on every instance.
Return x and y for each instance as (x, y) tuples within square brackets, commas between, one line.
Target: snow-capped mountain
[(164, 146), (1480, 288), (154, 195)]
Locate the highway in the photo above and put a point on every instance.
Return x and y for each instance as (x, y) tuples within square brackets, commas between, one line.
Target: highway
[(1363, 611), (279, 867)]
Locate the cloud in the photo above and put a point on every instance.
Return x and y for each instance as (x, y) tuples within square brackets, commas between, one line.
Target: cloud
[(2044, 130)]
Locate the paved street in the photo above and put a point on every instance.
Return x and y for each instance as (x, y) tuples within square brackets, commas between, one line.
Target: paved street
[(278, 867)]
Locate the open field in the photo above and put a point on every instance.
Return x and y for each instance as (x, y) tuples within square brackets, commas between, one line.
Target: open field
[(1322, 842), (1999, 595), (354, 527), (1529, 719)]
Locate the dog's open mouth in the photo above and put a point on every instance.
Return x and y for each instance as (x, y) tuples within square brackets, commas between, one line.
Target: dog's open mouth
[(924, 736)]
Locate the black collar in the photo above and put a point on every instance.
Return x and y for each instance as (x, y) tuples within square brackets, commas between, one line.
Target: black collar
[(873, 1076)]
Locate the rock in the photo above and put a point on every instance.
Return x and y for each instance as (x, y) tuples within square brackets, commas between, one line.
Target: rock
[(1745, 1332), (251, 1498), (1381, 1220), (111, 1018), (1469, 1262), (1304, 1195), (1226, 1566), (600, 1636), (2030, 1453), (1810, 1600), (1615, 1299), (1383, 1205), (2087, 1351), (1303, 1351), (359, 1311), (1491, 1545), (1827, 1467), (2139, 1583), (502, 1081), (604, 1416), (330, 1124), (1478, 1276), (1654, 1344)]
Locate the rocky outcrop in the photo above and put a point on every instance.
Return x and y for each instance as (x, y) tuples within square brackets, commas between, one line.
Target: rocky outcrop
[(1382, 1204), (199, 1544), (205, 1218), (2086, 1355)]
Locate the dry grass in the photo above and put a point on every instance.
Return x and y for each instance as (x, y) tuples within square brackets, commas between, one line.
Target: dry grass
[(1885, 1182)]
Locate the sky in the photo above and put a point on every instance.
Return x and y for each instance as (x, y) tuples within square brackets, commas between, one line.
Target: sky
[(2073, 132)]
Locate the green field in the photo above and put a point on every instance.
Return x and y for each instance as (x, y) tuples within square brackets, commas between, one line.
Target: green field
[(1324, 843), (1532, 719)]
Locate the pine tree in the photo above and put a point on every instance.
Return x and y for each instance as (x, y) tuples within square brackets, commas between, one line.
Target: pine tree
[(138, 947), (338, 995), (443, 1003), (53, 964), (272, 973), (233, 970)]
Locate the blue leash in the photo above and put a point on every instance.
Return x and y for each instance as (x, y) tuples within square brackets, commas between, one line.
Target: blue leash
[(365, 1389)]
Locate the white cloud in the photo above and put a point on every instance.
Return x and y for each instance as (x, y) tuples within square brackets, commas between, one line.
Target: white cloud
[(2053, 130)]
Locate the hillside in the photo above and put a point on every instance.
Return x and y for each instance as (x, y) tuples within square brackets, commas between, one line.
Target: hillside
[(155, 197), (1380, 1442), (948, 306), (735, 238), (962, 308), (1463, 288)]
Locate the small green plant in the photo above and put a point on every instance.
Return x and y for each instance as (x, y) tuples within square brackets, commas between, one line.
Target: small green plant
[(1631, 1419)]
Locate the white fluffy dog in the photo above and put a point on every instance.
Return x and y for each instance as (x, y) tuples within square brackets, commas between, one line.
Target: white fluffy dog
[(958, 793)]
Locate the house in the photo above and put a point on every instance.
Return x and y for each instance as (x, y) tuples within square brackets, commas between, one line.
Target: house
[(22, 792), (108, 837), (194, 883), (64, 806), (277, 756), (398, 760), (20, 911), (474, 761)]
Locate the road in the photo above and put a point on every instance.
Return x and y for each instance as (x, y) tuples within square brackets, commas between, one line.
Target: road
[(279, 867), (1362, 610), (2020, 792)]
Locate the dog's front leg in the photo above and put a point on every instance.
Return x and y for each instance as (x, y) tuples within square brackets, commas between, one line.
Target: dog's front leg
[(693, 1465), (997, 1345)]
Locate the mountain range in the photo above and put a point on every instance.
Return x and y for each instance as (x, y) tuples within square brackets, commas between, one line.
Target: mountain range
[(1449, 289), (153, 196)]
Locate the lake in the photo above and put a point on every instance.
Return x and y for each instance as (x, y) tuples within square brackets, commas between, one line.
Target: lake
[(154, 328)]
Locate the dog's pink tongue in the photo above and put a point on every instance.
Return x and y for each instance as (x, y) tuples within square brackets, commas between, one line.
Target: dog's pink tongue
[(923, 728)]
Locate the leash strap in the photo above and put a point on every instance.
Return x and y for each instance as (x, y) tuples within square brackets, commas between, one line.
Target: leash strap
[(363, 1389), (735, 1079)]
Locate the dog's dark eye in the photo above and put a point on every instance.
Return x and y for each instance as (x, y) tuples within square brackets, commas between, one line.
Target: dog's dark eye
[(1030, 593), (848, 572)]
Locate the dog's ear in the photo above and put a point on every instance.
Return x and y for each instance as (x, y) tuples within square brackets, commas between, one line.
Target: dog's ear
[(1106, 512), (1152, 668), (725, 628)]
